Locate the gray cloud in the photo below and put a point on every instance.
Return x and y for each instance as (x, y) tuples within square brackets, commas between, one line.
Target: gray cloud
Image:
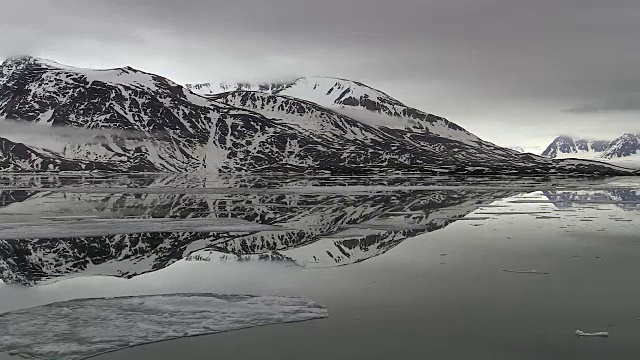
[(505, 69), (624, 101)]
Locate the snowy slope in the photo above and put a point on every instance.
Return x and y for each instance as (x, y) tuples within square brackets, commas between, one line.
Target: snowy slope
[(305, 115), (626, 145), (337, 139), (373, 106), (630, 162)]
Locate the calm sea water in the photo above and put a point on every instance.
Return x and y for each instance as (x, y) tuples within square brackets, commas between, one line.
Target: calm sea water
[(407, 265)]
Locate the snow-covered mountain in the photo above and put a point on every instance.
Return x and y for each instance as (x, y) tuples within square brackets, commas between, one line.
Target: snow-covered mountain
[(357, 101), (439, 151), (175, 124), (565, 146), (626, 145), (623, 151), (310, 125)]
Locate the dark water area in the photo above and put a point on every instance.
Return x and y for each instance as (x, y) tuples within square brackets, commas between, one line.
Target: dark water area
[(408, 266)]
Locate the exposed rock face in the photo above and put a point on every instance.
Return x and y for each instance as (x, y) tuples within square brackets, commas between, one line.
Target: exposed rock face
[(596, 146)]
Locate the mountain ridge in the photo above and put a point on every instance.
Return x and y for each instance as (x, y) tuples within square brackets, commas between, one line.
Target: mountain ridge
[(186, 132), (349, 98), (565, 144), (623, 146)]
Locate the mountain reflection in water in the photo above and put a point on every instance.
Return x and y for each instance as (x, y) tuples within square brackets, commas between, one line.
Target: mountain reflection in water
[(135, 224)]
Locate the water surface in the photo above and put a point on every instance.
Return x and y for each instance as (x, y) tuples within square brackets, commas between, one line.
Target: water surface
[(407, 265)]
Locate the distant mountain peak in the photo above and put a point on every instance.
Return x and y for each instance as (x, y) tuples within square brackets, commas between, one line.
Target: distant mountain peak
[(626, 145), (567, 145)]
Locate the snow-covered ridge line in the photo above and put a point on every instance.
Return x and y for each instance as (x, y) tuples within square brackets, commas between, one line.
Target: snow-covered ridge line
[(372, 106), (212, 89), (126, 75)]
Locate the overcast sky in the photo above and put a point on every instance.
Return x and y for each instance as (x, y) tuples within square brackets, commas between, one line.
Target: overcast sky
[(515, 72)]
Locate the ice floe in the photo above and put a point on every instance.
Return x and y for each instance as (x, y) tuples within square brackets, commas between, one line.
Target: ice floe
[(82, 328), (596, 334)]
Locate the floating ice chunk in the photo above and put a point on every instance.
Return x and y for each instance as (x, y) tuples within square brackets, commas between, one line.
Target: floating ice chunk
[(526, 272), (83, 328), (66, 311), (596, 334)]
